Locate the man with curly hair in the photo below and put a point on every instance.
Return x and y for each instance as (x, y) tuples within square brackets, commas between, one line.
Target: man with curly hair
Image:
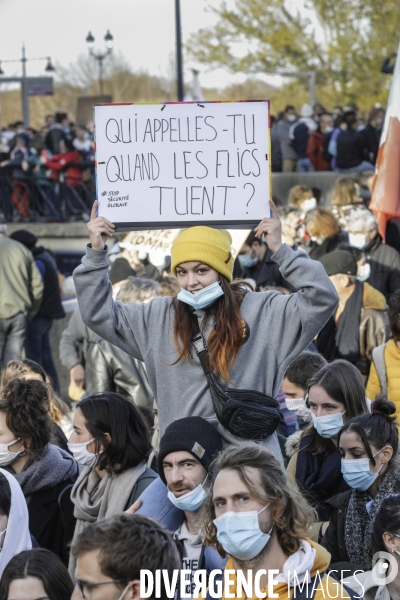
[(257, 517)]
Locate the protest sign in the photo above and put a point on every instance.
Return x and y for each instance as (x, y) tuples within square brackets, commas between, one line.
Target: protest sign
[(162, 166)]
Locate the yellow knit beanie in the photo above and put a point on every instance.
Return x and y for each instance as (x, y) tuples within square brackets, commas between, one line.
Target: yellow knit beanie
[(205, 244)]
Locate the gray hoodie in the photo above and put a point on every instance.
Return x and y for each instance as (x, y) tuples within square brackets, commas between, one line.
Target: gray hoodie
[(280, 326)]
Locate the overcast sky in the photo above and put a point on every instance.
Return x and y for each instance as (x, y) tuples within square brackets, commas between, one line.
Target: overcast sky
[(143, 30)]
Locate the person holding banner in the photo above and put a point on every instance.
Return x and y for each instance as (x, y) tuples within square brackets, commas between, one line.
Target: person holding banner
[(251, 337)]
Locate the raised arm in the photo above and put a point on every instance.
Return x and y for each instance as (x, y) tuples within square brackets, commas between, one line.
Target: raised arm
[(299, 317), (131, 327)]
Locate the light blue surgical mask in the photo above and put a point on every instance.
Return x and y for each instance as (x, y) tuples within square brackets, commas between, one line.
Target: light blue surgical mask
[(328, 129), (246, 261), (364, 272), (192, 500), (203, 298), (328, 426), (357, 474), (240, 535)]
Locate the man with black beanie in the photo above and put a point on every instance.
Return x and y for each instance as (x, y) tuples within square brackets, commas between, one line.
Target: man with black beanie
[(187, 450), (360, 322)]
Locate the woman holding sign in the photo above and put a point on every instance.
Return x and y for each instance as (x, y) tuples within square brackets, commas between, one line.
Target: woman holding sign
[(251, 337)]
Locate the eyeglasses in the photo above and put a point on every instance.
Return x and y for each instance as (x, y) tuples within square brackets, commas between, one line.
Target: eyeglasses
[(89, 586)]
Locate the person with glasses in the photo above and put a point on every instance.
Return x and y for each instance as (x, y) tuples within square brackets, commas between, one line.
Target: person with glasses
[(110, 554), (36, 574)]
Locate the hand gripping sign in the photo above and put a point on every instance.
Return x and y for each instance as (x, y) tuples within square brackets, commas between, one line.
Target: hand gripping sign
[(173, 165)]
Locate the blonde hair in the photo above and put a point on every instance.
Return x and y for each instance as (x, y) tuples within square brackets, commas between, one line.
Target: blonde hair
[(290, 512), (298, 194), (345, 192), (320, 222)]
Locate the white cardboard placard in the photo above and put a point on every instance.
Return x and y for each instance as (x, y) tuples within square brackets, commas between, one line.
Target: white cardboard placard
[(163, 166)]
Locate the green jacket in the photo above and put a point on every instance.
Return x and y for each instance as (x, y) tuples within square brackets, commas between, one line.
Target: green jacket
[(21, 285)]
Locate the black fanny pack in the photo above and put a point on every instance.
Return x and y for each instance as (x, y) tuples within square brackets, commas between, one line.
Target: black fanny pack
[(247, 414)]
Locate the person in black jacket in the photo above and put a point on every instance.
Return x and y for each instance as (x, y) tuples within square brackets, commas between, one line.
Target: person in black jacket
[(324, 233), (372, 133), (368, 445), (255, 260), (335, 394), (112, 440), (37, 344), (350, 148), (110, 369), (382, 258), (59, 132), (45, 473)]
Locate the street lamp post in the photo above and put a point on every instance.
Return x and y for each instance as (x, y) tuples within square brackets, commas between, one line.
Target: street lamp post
[(179, 61), (25, 80), (100, 56)]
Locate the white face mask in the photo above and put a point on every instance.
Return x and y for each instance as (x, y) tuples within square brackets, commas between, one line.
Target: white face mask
[(364, 272), (298, 406), (82, 454), (7, 457), (308, 205), (291, 118), (358, 240), (318, 240)]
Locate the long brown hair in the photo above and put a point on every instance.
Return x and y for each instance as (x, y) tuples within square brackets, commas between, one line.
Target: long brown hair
[(225, 340), (343, 383), (290, 511)]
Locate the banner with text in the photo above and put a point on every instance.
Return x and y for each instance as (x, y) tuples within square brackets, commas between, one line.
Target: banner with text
[(182, 164)]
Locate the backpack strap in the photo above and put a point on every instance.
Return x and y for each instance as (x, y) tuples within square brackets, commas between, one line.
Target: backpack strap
[(378, 356)]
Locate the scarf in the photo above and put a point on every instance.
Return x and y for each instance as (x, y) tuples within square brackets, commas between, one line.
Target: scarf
[(298, 566), (96, 498), (17, 536), (347, 336), (54, 466), (342, 340), (320, 478), (358, 525)]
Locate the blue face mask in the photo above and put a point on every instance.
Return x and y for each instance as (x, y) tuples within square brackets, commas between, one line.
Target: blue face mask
[(246, 261), (203, 298), (357, 474), (240, 535), (192, 500), (329, 425)]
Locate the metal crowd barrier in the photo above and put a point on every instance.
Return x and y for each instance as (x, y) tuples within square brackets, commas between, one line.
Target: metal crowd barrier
[(28, 198)]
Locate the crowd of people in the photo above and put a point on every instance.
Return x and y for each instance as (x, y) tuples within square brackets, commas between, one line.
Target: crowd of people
[(33, 163), (344, 139), (225, 414)]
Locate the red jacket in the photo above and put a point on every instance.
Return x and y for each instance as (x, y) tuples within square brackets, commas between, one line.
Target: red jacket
[(314, 151), (60, 162)]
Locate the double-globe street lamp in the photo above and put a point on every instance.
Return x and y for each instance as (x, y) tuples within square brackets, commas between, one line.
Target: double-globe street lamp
[(100, 56)]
